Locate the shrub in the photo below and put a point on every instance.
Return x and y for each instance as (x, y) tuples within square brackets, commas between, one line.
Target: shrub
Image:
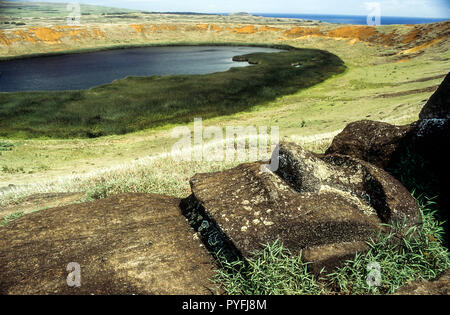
[(6, 146)]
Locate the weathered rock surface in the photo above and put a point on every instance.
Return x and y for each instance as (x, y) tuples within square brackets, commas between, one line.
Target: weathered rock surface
[(440, 286), (127, 244), (41, 201), (355, 179), (418, 149), (371, 141), (324, 206)]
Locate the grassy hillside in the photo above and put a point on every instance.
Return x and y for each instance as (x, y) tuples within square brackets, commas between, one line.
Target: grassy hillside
[(29, 13)]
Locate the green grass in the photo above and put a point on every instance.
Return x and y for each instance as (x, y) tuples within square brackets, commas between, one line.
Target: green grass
[(417, 254), (420, 176), (12, 170), (12, 217), (6, 146), (272, 271), (138, 103)]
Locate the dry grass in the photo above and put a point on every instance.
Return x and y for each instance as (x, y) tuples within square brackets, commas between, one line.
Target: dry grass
[(161, 174)]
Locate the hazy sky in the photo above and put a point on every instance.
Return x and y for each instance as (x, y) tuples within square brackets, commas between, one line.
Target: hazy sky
[(417, 8)]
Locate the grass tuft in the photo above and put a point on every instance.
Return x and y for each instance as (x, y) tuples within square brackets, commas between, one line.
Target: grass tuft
[(418, 254), (6, 146), (12, 217), (272, 271)]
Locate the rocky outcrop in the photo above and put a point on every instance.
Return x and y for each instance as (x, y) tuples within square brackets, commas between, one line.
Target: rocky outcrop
[(416, 153), (438, 106), (326, 207), (439, 286), (127, 244)]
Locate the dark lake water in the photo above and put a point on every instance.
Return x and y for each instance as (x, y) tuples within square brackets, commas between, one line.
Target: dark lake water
[(83, 71)]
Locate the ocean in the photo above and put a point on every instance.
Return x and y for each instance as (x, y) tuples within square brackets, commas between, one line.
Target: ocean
[(353, 19)]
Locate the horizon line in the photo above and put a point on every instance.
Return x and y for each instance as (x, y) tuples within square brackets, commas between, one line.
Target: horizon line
[(218, 13)]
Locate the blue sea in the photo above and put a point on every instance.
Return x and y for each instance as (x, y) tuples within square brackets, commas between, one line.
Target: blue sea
[(353, 19)]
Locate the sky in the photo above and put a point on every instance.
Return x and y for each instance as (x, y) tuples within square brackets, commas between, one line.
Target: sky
[(409, 8)]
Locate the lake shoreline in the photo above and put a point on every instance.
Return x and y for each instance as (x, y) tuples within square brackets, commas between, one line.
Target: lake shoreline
[(79, 72), (128, 46), (137, 103)]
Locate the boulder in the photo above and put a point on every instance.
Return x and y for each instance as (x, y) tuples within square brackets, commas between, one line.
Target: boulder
[(126, 244), (326, 207), (438, 106), (439, 286), (314, 173), (371, 141), (433, 130), (415, 154)]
